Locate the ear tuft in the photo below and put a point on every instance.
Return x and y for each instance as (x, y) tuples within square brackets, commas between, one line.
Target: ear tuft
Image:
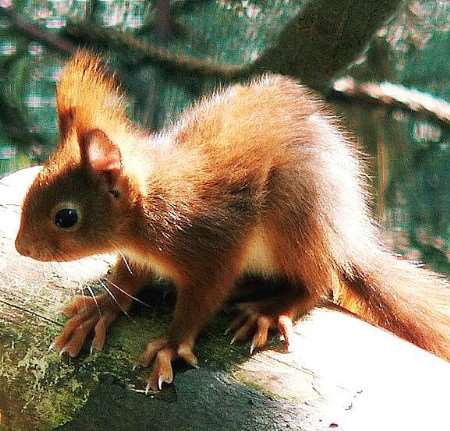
[(101, 155), (92, 94)]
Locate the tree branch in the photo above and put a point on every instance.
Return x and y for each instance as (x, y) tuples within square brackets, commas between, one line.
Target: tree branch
[(392, 96), (320, 41), (88, 33), (337, 30), (124, 43), (324, 38)]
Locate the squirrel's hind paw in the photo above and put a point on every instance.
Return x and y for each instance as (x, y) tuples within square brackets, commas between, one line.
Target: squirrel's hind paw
[(163, 354), (258, 325)]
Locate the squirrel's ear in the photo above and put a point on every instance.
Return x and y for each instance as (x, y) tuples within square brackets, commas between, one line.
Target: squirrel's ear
[(101, 155)]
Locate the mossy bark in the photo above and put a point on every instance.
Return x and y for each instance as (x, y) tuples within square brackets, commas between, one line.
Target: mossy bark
[(343, 373)]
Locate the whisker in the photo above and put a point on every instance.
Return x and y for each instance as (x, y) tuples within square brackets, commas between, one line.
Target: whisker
[(108, 291), (128, 294), (115, 300), (123, 258), (95, 300), (125, 261)]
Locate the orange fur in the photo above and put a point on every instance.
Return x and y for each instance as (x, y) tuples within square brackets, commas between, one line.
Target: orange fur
[(255, 179), (95, 102)]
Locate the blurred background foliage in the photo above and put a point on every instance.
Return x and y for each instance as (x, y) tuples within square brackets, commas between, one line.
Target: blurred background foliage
[(153, 46)]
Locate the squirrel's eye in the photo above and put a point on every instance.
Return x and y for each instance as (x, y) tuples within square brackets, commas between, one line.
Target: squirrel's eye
[(66, 218)]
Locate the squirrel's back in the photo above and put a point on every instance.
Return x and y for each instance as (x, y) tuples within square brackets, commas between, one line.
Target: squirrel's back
[(315, 203)]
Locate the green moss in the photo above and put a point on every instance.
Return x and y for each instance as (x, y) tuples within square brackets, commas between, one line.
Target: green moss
[(59, 406), (52, 389)]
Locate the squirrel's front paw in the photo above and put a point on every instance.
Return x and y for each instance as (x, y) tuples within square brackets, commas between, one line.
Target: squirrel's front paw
[(87, 314), (163, 353)]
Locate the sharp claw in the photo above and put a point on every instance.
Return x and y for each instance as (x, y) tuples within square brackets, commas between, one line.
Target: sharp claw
[(147, 389), (227, 331), (233, 340), (160, 382), (52, 346), (187, 355), (135, 367), (252, 348), (191, 361)]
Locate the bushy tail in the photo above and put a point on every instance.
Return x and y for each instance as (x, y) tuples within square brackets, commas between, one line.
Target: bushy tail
[(409, 301)]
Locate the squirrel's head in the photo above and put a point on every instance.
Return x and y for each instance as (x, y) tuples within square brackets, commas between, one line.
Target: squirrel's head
[(73, 206)]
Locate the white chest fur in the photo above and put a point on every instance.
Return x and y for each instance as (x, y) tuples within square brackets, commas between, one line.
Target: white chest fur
[(258, 257)]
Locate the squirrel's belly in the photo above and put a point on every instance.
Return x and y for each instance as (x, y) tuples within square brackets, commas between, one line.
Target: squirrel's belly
[(258, 257)]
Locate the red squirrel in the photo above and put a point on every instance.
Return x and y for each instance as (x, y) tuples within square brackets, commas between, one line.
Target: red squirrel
[(255, 179)]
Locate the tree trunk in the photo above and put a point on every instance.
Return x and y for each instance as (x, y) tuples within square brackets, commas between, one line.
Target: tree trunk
[(343, 373)]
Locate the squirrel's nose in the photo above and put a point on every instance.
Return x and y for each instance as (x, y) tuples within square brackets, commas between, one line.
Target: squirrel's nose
[(23, 250)]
